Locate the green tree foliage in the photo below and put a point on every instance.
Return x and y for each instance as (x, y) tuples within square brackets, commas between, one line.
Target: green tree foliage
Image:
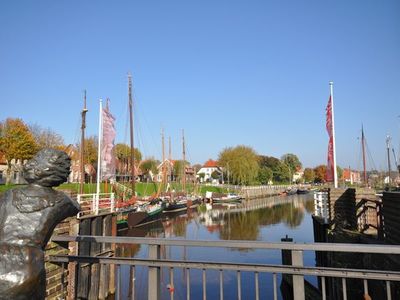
[(282, 174), (309, 175), (292, 161), (269, 162), (149, 165), (178, 168), (264, 175), (215, 175), (320, 172), (339, 172), (242, 162), (123, 153), (90, 150), (46, 137)]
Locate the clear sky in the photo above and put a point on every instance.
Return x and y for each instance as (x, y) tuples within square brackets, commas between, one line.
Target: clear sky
[(228, 72)]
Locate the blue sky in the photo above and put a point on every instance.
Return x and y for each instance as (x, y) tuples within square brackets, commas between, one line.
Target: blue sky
[(228, 72)]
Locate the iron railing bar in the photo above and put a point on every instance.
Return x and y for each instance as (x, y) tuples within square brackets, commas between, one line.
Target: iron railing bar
[(132, 282), (274, 280), (323, 288), (221, 284), (239, 285), (388, 290), (204, 285), (187, 284), (325, 247), (284, 269), (365, 287), (256, 285), (344, 287)]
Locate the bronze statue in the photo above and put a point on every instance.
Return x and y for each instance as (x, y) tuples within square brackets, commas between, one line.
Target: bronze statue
[(28, 216)]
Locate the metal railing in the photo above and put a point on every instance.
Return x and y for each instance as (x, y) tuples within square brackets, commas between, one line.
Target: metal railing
[(296, 271), (93, 204)]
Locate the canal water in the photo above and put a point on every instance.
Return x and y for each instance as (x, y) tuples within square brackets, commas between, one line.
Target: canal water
[(268, 219)]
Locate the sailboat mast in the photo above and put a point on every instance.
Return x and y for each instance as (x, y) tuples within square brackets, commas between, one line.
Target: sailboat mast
[(184, 162), (132, 158), (363, 151), (82, 155)]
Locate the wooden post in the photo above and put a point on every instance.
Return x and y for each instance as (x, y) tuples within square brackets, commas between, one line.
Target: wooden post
[(154, 292)]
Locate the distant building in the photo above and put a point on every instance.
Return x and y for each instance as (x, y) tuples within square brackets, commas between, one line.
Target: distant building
[(207, 169), (298, 175), (351, 176)]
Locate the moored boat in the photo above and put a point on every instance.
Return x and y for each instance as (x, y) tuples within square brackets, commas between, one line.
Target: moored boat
[(231, 197)]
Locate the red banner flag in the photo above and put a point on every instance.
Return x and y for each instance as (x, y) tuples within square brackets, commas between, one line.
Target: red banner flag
[(330, 167)]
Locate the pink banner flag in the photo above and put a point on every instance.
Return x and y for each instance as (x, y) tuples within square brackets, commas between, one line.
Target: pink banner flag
[(329, 177), (107, 151)]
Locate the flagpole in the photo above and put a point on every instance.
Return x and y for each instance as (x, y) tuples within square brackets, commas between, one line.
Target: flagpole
[(333, 139), (99, 156)]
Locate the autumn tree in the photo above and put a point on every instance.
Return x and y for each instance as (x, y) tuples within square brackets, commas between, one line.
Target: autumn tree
[(242, 162), (90, 150), (46, 137), (309, 175), (16, 141), (320, 173)]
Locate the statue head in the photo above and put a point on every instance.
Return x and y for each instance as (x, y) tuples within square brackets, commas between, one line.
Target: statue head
[(49, 167)]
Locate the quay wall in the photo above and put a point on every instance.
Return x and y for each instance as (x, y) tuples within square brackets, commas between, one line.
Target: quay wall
[(262, 191)]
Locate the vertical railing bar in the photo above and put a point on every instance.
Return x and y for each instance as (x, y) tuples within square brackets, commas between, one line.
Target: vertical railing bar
[(132, 276), (118, 279), (239, 286), (388, 290), (344, 288), (171, 283), (256, 287), (323, 288), (187, 284), (204, 285), (365, 287), (221, 285), (275, 288)]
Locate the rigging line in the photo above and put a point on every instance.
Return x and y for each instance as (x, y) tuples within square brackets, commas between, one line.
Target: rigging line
[(373, 166), (359, 154), (144, 118)]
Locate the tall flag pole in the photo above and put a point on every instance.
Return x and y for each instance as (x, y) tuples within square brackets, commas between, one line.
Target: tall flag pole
[(331, 172), (96, 204)]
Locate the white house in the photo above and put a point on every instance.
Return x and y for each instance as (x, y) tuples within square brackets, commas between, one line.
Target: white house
[(207, 169)]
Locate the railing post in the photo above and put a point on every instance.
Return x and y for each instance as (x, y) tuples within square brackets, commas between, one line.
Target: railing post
[(298, 280), (154, 274)]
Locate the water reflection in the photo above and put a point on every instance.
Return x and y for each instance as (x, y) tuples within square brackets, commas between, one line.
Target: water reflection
[(267, 219)]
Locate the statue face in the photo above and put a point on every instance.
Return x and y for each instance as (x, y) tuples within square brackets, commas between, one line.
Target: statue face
[(49, 167)]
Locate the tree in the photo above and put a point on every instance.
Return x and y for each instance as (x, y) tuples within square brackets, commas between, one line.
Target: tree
[(292, 161), (282, 174), (123, 154), (215, 175), (16, 142), (309, 175), (264, 175), (339, 172), (149, 165), (320, 173), (269, 162), (46, 137), (90, 150), (178, 168), (242, 162)]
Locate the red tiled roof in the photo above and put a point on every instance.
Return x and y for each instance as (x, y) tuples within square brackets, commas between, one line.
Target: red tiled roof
[(211, 164)]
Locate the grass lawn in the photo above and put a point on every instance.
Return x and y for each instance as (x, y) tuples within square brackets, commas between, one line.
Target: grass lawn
[(142, 188)]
